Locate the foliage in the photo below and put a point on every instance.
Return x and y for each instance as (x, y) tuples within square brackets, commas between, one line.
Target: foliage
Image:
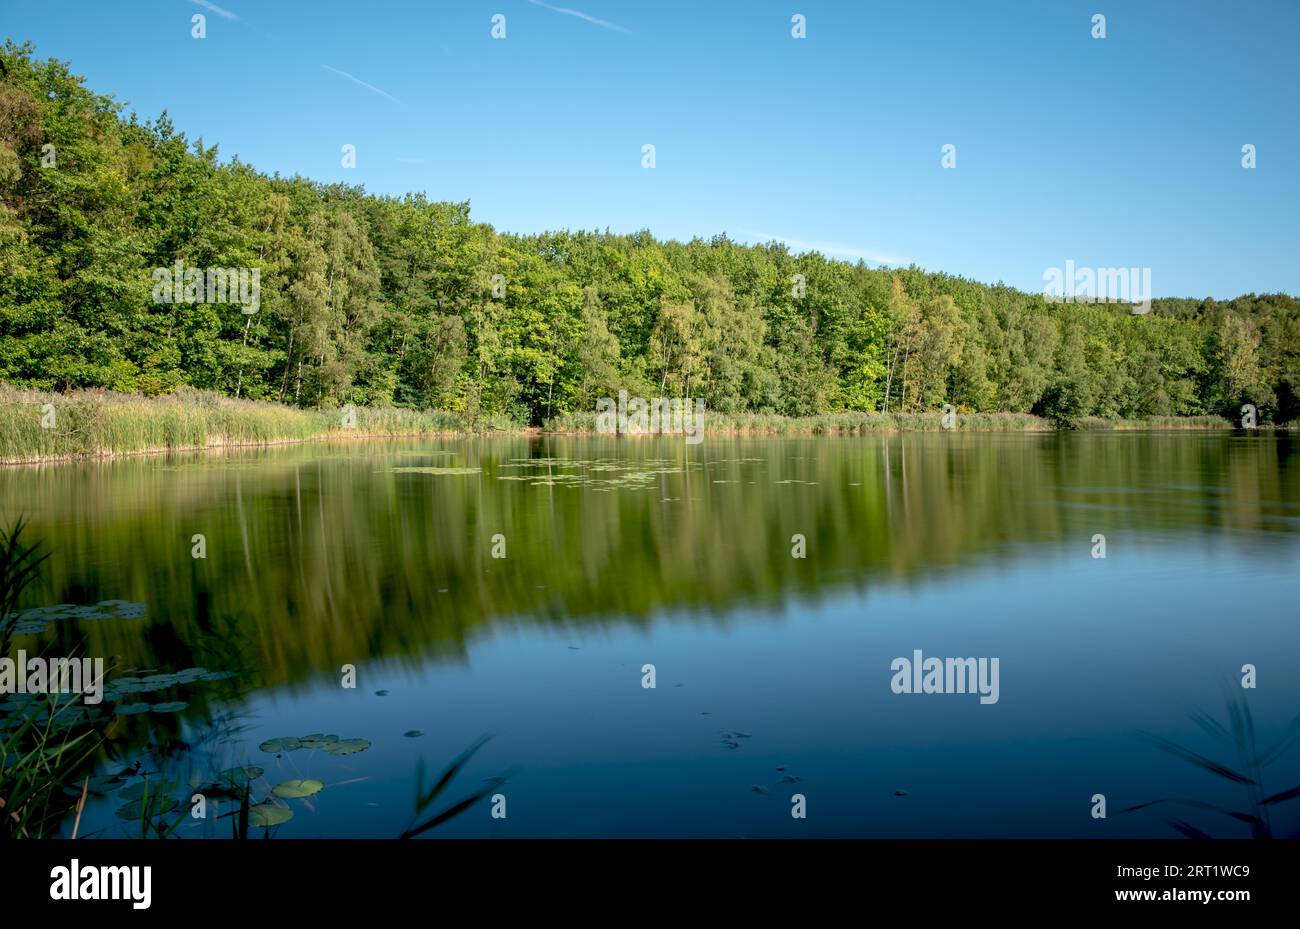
[(1246, 771), (406, 302)]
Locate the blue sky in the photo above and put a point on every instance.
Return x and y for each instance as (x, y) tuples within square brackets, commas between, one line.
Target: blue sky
[(1115, 152)]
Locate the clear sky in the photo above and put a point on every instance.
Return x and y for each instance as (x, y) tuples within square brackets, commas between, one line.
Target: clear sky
[(1115, 152)]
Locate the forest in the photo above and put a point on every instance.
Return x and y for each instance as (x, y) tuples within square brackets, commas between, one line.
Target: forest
[(407, 302)]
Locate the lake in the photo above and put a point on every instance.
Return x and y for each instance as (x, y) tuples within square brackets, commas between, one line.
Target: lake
[(773, 674)]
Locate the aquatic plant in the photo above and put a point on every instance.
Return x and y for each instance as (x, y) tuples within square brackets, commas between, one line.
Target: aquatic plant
[(19, 566), (39, 752), (39, 760), (1246, 771), (93, 423), (426, 798)]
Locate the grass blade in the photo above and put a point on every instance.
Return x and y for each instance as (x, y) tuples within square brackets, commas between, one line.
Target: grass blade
[(1197, 759)]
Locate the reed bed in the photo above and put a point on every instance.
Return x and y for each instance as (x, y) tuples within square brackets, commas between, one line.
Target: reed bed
[(856, 423), (859, 423), (37, 426)]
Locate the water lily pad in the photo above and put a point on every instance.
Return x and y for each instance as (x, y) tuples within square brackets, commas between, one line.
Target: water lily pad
[(174, 706), (347, 747), (242, 775), (104, 783), (282, 744), (317, 740), (67, 716), (158, 680), (268, 814), (35, 621), (297, 789), (135, 809), (432, 470), (138, 789), (131, 709), (143, 685)]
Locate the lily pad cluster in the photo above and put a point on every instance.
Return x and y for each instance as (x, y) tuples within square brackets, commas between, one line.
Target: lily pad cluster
[(239, 776), (57, 710), (120, 688), (272, 810), (36, 620), (145, 799), (317, 741), (297, 788), (63, 711), (268, 814), (434, 470), (598, 474)]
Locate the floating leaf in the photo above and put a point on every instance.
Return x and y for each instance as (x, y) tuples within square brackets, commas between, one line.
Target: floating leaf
[(283, 744), (34, 621), (158, 680), (268, 814), (137, 790), (242, 775), (174, 706), (317, 740), (297, 789), (72, 716), (432, 470), (104, 783), (131, 709), (347, 747), (135, 809)]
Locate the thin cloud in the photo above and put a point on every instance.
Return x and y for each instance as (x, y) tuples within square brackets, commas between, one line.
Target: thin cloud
[(215, 9), (604, 24), (370, 87), (828, 248)]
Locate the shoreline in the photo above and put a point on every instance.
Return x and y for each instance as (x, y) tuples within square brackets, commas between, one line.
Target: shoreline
[(106, 426)]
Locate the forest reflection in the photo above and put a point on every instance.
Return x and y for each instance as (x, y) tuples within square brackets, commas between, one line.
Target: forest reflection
[(327, 554)]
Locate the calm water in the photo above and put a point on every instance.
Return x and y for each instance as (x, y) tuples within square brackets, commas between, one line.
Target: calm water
[(622, 554)]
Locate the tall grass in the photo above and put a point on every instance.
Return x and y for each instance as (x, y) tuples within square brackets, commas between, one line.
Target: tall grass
[(1246, 770), (39, 757), (1097, 423), (425, 798), (850, 423), (94, 423), (864, 423)]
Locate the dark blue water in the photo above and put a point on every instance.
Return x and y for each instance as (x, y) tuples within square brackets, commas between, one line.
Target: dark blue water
[(768, 667)]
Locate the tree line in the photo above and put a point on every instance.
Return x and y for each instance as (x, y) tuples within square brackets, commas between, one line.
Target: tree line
[(406, 301)]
